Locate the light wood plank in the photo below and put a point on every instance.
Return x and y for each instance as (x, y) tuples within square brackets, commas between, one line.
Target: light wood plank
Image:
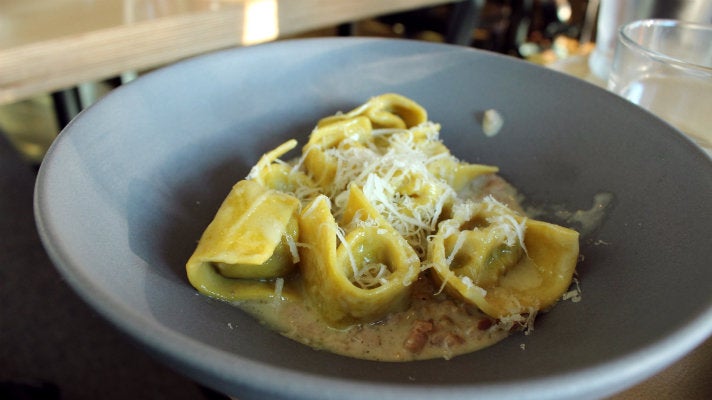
[(68, 42)]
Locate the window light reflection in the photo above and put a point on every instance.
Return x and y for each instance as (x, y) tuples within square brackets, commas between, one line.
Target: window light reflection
[(261, 22)]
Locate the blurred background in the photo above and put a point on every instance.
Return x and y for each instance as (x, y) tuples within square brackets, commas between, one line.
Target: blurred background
[(58, 57), (542, 31)]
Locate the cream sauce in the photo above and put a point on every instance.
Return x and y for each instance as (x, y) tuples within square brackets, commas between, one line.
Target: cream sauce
[(584, 221), (434, 325)]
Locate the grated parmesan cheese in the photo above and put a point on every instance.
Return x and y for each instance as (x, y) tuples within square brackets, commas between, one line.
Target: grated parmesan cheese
[(575, 294), (292, 248), (458, 245), (512, 230), (393, 174), (372, 275), (278, 287), (342, 238)]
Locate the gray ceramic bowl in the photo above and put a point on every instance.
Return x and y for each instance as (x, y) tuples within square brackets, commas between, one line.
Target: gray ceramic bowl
[(130, 184)]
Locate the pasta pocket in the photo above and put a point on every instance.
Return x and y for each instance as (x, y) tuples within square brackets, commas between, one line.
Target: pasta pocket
[(272, 174), (501, 262), (320, 153), (358, 276), (388, 110), (251, 237)]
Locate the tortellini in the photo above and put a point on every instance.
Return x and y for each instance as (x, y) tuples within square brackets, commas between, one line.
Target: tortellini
[(385, 111), (251, 237), (358, 275), (501, 262), (374, 202), (321, 154)]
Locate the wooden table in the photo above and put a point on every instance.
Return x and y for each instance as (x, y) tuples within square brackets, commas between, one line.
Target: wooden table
[(49, 45)]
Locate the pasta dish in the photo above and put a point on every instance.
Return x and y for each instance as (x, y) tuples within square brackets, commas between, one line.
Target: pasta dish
[(377, 243)]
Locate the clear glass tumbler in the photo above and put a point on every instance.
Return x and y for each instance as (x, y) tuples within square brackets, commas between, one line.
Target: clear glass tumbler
[(665, 66)]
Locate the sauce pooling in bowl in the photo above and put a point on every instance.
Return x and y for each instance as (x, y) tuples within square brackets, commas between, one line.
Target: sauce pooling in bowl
[(378, 243)]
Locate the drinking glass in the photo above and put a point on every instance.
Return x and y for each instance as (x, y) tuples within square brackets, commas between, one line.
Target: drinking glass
[(665, 66), (614, 13)]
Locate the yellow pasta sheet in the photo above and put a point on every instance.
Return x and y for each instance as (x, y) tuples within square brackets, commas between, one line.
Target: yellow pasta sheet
[(373, 201)]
